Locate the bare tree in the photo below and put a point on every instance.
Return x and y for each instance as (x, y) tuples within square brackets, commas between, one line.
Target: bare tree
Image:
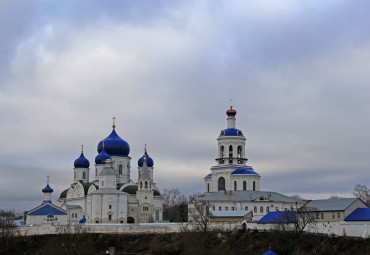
[(296, 221), (7, 226), (363, 193), (175, 208), (200, 215)]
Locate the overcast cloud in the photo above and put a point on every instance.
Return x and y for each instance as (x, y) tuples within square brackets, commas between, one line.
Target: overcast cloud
[(298, 73)]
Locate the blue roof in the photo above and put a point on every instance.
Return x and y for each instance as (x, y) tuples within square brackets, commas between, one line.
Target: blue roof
[(46, 208), (47, 189), (279, 217), (149, 161), (102, 157), (270, 252), (359, 214), (208, 175), (114, 145), (232, 132), (244, 171), (81, 162)]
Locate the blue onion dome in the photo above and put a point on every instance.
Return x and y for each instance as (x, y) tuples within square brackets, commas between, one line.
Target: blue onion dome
[(149, 160), (115, 145), (82, 162), (102, 157), (47, 189), (83, 220)]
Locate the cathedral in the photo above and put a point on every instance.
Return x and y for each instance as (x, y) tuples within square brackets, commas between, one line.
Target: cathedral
[(232, 185), (110, 195)]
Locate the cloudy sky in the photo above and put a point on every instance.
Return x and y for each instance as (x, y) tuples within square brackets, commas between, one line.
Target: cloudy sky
[(298, 73)]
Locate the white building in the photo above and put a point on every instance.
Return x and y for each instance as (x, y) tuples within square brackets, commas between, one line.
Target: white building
[(232, 185), (109, 195), (47, 212)]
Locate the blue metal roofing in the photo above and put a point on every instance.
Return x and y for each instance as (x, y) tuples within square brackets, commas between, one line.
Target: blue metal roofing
[(279, 217), (232, 132), (81, 162), (270, 252), (45, 209), (359, 214), (208, 175), (114, 145), (47, 189), (149, 161), (244, 171)]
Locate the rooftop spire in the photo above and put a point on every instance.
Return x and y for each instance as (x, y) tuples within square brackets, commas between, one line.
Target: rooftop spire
[(82, 148), (145, 147), (114, 122)]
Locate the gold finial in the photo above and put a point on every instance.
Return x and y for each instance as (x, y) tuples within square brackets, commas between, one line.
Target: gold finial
[(47, 179), (231, 103), (103, 143), (82, 148), (114, 122), (145, 147)]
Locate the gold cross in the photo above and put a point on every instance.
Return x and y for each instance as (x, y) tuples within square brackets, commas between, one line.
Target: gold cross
[(145, 147), (114, 122), (82, 148), (47, 179), (231, 103)]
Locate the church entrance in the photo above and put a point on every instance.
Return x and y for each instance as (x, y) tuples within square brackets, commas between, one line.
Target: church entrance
[(130, 220)]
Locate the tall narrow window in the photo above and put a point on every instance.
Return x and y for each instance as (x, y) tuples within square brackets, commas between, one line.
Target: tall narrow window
[(235, 187), (221, 183), (157, 214), (222, 154), (255, 209), (230, 154), (261, 209), (254, 185), (207, 187), (146, 184), (239, 154), (84, 175), (75, 175), (120, 169), (244, 185), (141, 185), (267, 209)]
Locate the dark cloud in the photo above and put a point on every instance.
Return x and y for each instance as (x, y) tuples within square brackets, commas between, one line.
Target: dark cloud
[(297, 73)]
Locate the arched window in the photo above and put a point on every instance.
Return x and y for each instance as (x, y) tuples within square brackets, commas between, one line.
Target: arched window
[(239, 154), (141, 185), (230, 154), (235, 187), (221, 183), (84, 175), (157, 214), (255, 209), (244, 185), (267, 209), (254, 185), (146, 184), (222, 151), (120, 169), (261, 209), (207, 187)]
